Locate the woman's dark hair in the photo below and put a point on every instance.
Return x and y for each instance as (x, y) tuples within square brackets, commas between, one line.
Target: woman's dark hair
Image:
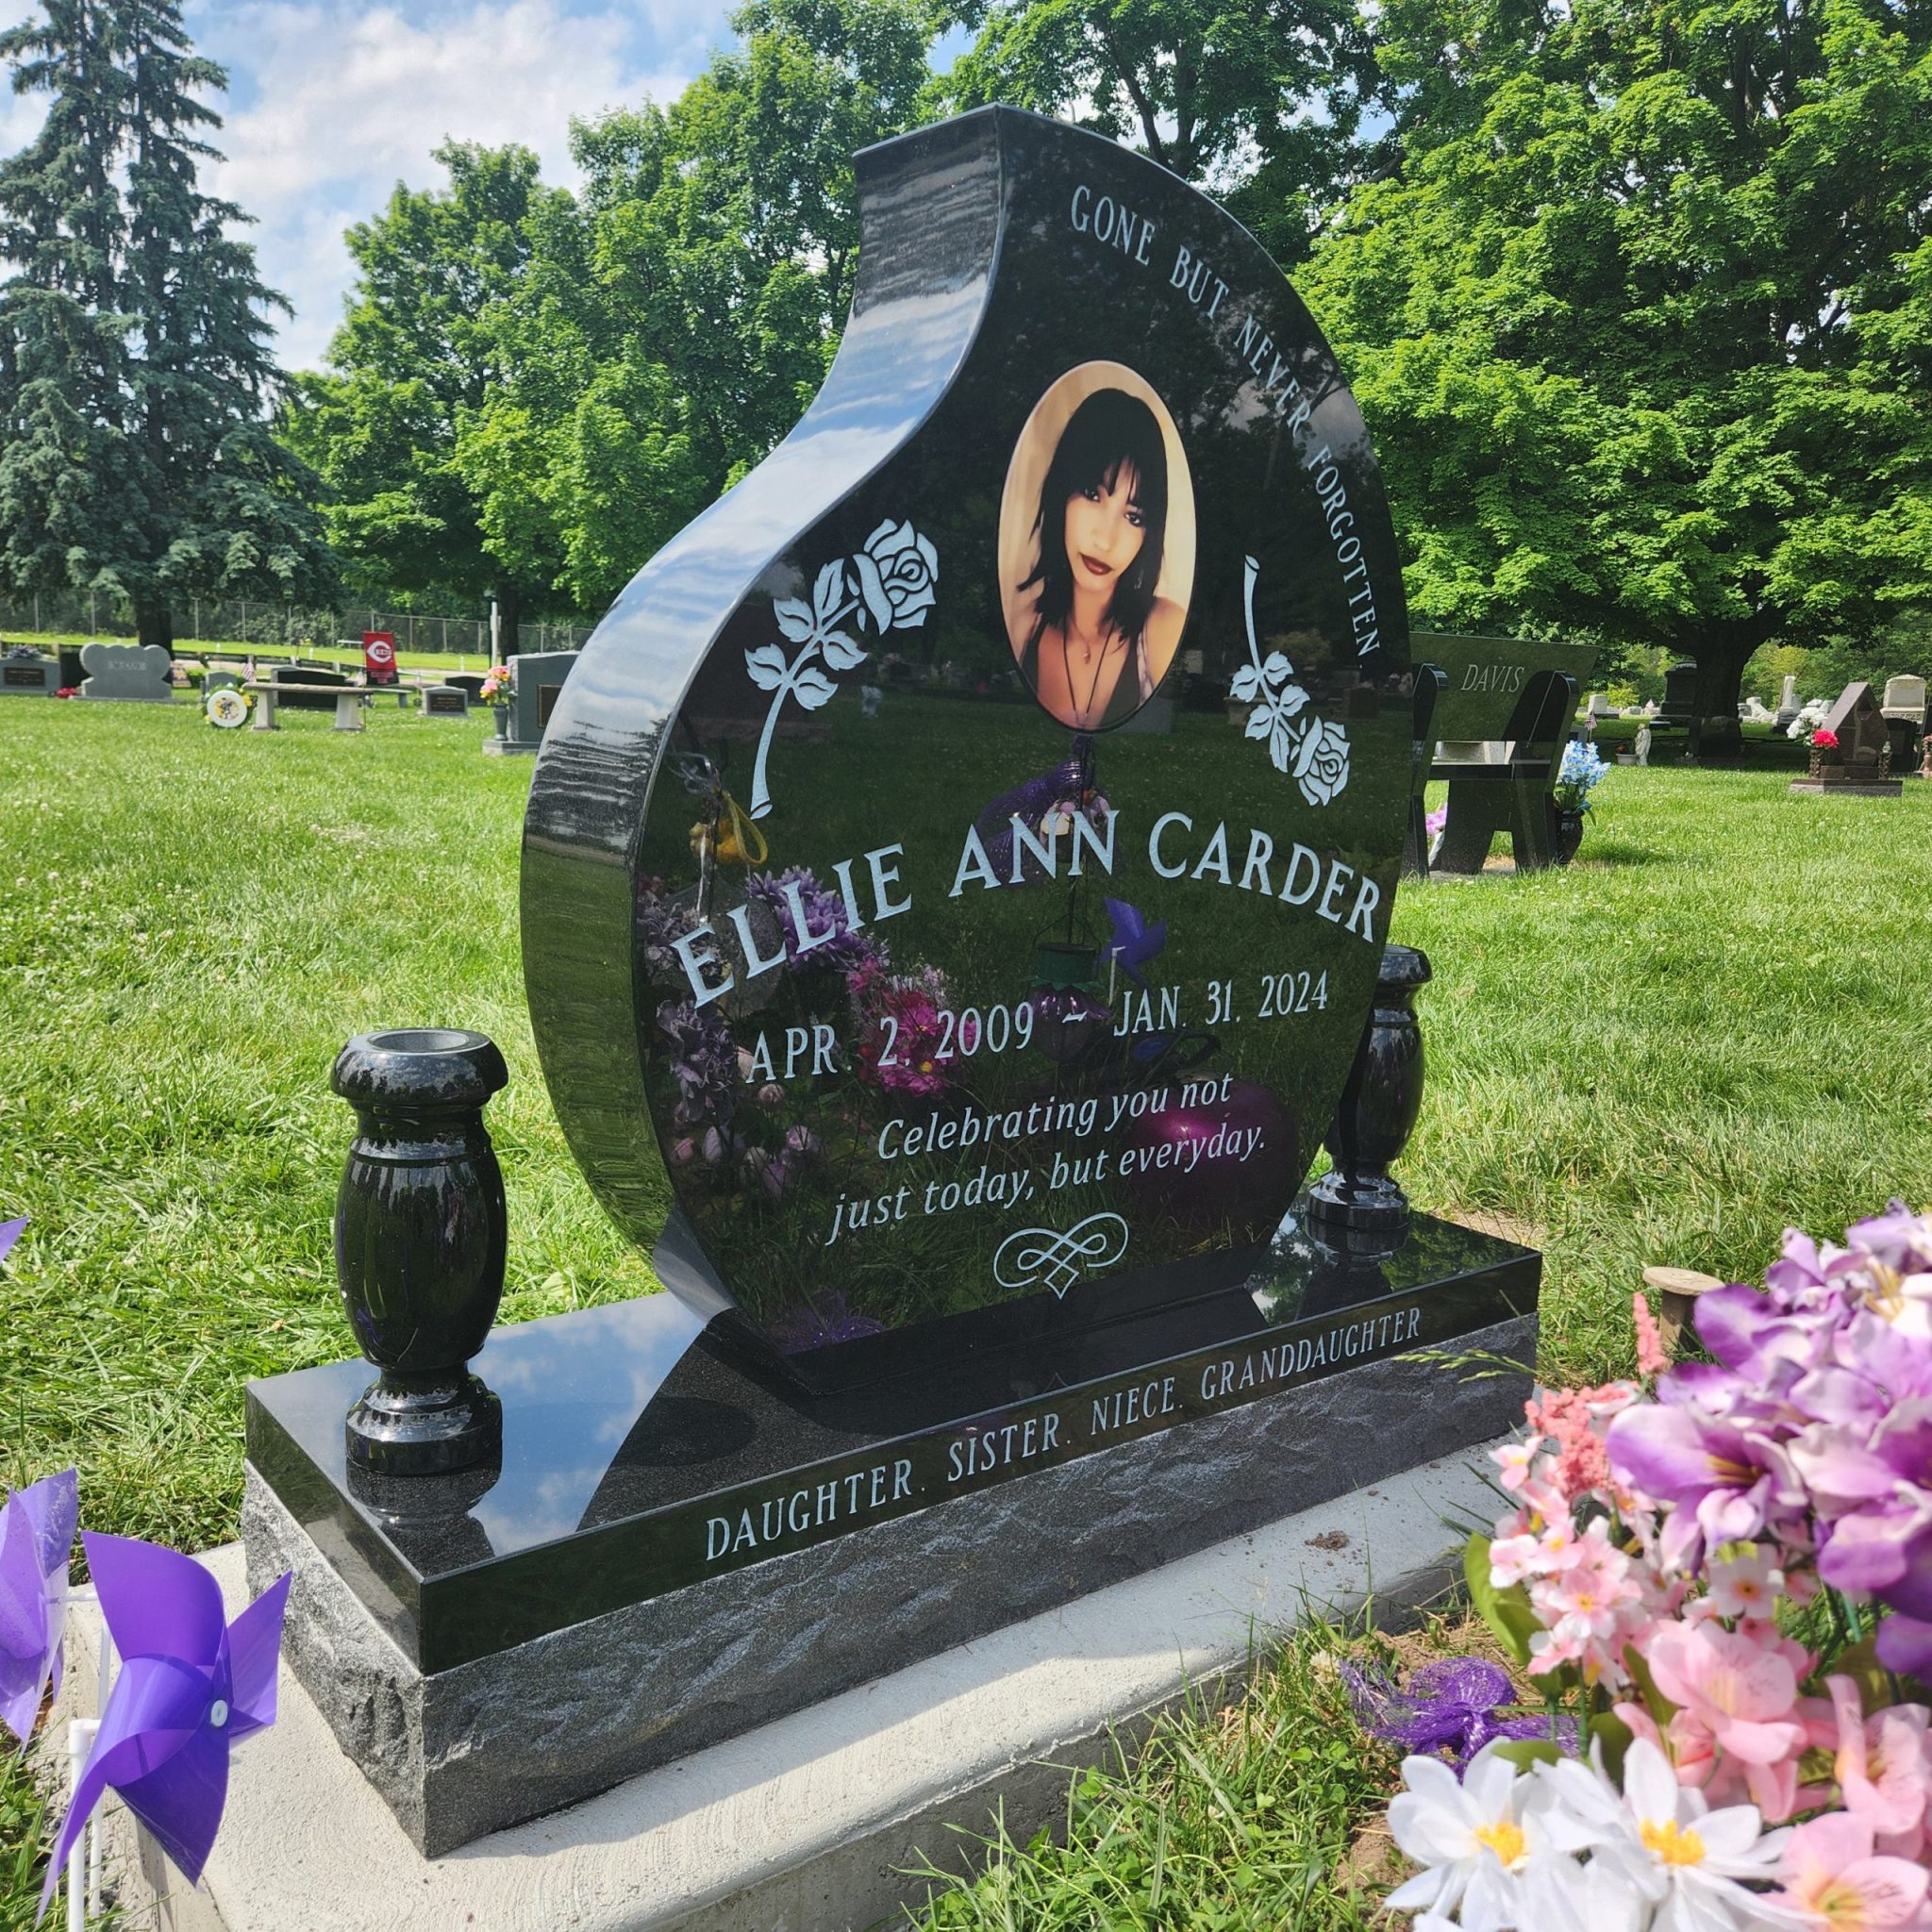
[(1110, 431)]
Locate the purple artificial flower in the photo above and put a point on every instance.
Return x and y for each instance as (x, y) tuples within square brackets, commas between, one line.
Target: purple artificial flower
[(35, 1539), (1448, 1707), (1729, 1481), (190, 1685), (805, 909), (1898, 1239)]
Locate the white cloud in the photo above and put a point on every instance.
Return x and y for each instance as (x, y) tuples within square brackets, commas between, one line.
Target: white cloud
[(344, 101)]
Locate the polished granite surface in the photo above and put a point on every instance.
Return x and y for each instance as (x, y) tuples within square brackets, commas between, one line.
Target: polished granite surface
[(642, 1452)]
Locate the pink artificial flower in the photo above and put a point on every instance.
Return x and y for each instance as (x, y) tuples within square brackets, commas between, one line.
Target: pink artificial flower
[(1514, 1559), (1652, 1357), (1514, 1460), (1882, 1768), (1835, 1883), (1744, 1693), (1747, 1584)]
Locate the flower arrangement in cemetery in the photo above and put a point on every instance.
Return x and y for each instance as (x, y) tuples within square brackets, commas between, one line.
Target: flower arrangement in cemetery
[(1823, 738), (227, 708), (494, 690), (1579, 774), (1722, 1574)]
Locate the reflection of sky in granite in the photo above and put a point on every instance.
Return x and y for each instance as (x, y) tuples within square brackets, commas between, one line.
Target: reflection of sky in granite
[(572, 1388)]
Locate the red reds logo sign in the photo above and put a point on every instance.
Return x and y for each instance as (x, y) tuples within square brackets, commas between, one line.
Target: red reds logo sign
[(379, 655)]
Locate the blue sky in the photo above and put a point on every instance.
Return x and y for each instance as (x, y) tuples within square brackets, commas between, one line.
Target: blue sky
[(332, 102)]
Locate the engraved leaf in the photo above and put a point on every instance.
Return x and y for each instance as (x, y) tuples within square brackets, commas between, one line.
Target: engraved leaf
[(828, 592), (1245, 684), (1260, 721), (1287, 703), (767, 666), (872, 588), (813, 688), (1281, 745), (795, 619), (841, 652), (1277, 670)]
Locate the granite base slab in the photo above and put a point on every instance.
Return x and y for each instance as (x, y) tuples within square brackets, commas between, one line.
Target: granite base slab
[(524, 1730), (812, 1822)]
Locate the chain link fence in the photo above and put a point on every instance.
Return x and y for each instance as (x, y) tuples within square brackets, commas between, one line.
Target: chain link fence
[(236, 621)]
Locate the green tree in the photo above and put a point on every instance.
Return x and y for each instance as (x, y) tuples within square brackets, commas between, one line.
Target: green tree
[(1258, 100), (1641, 314), (134, 362), (414, 371)]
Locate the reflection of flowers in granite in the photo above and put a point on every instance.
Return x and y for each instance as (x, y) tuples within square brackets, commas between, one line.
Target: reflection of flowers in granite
[(900, 1056), (659, 924), (898, 571), (774, 1173), (703, 1062), (1321, 761), (814, 1324), (819, 911)]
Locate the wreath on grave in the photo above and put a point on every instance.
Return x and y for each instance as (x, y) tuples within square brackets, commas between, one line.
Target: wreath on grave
[(228, 708)]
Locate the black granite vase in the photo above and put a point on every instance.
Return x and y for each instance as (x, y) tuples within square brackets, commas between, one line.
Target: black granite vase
[(1569, 835), (1378, 1111), (420, 1235)]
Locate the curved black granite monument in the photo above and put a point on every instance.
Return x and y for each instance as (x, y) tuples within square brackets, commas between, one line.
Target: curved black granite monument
[(889, 930)]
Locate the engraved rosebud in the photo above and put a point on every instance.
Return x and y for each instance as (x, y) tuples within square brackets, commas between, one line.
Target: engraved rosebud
[(898, 571), (1321, 761)]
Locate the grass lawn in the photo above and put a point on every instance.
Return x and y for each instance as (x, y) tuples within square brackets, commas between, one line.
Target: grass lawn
[(1712, 1025)]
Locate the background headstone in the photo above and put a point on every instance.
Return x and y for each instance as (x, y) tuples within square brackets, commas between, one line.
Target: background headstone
[(1788, 700), (128, 673), (535, 681), (445, 701), (1903, 712), (28, 674)]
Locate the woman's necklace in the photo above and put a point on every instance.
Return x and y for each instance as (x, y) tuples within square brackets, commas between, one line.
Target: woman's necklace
[(1085, 713)]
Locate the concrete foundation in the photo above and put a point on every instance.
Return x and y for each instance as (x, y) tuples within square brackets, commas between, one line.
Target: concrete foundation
[(806, 1824)]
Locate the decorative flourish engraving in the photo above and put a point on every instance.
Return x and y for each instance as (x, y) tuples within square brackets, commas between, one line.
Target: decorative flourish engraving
[(1312, 750), (1033, 1255), (890, 583)]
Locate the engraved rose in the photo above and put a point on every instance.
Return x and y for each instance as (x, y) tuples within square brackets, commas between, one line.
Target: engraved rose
[(897, 569), (1321, 761)]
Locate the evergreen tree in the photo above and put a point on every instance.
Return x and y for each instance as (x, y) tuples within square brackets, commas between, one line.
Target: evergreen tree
[(134, 373)]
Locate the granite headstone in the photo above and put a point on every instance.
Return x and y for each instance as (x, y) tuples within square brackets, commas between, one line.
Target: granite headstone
[(28, 674), (127, 674), (1011, 1008), (535, 680), (959, 1071)]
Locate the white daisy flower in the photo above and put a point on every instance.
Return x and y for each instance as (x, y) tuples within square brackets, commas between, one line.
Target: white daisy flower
[(1662, 1838), (1473, 1841)]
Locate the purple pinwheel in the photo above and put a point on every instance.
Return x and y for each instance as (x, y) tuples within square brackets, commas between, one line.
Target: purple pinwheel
[(1133, 941), (36, 1535), (9, 1233), (1448, 1707), (190, 1685)]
